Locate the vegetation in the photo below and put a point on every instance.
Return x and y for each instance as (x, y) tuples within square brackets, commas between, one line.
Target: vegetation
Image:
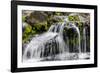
[(40, 21)]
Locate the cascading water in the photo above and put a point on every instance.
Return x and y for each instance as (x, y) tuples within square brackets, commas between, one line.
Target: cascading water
[(51, 44), (84, 38), (37, 45), (47, 44)]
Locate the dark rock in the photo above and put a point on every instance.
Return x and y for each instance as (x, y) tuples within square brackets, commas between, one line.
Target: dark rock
[(36, 17)]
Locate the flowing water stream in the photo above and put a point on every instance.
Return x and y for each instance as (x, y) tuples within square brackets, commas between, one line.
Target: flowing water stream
[(51, 45)]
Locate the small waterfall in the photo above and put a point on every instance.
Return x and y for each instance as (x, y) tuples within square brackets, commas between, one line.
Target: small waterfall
[(84, 38), (77, 29), (51, 29), (58, 28), (51, 43), (37, 45), (47, 44), (63, 46)]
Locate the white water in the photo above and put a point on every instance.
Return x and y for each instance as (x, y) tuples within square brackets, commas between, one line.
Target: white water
[(36, 48), (84, 38), (50, 43)]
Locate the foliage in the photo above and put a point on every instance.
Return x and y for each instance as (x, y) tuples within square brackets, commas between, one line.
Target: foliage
[(73, 18), (23, 18), (40, 27), (26, 33)]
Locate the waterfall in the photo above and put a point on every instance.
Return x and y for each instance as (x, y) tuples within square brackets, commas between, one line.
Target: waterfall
[(84, 38), (77, 29), (50, 43), (51, 28), (43, 45), (37, 45)]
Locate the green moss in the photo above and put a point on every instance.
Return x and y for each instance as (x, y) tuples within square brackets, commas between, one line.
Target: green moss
[(23, 18), (43, 26), (73, 18)]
